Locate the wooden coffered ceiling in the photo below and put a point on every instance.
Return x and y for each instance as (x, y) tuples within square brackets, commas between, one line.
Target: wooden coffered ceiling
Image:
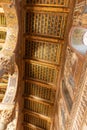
[(45, 26)]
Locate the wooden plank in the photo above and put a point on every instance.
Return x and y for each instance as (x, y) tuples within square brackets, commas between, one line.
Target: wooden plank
[(42, 64), (40, 100), (52, 40), (32, 126), (41, 84), (37, 114), (48, 5), (45, 9)]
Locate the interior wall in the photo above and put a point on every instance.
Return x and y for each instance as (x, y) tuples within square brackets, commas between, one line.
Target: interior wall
[(67, 96)]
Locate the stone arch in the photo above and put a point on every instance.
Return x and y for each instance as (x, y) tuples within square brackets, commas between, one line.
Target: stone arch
[(8, 65)]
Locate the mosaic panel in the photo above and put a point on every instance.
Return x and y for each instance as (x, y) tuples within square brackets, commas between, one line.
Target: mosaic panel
[(46, 24), (55, 2), (40, 49), (37, 107), (40, 72), (39, 91), (37, 121)]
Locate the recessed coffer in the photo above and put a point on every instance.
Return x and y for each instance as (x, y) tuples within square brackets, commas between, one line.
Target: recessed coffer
[(36, 120), (41, 72), (47, 24), (39, 50), (40, 90)]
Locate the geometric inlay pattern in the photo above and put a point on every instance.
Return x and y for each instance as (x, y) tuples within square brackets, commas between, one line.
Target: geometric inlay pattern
[(38, 107), (40, 72), (36, 120), (46, 24), (44, 92), (40, 50)]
